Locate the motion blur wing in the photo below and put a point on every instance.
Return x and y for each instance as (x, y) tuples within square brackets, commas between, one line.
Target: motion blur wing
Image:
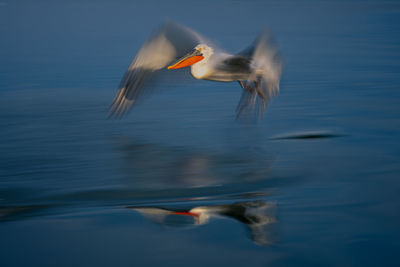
[(171, 41), (266, 57)]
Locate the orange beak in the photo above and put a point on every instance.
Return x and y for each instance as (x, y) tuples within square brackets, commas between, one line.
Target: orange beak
[(187, 60)]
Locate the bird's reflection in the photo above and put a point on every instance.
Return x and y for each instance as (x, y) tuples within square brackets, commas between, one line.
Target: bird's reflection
[(258, 216), (153, 166)]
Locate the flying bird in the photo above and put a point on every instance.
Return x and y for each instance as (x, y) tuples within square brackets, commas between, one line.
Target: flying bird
[(257, 69)]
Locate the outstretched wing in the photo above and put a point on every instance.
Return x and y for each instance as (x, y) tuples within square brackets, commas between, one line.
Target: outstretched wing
[(263, 82), (165, 45), (268, 62)]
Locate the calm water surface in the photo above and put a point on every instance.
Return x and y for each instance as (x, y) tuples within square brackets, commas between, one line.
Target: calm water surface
[(178, 181)]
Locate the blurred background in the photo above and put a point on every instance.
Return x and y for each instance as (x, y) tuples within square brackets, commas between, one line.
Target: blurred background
[(315, 181)]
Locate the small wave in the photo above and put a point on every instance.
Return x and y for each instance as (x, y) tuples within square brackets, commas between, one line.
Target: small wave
[(307, 135)]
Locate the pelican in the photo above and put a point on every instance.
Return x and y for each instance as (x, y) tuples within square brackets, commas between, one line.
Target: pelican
[(257, 69)]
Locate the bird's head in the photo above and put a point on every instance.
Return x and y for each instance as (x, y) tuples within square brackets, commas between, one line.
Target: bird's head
[(201, 52)]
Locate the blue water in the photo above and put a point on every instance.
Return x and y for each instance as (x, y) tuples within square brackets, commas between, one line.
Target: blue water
[(315, 181)]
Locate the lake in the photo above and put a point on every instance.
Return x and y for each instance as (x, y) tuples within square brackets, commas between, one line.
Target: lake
[(179, 181)]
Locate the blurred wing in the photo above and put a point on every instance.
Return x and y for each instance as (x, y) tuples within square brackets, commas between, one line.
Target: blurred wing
[(268, 65), (168, 43)]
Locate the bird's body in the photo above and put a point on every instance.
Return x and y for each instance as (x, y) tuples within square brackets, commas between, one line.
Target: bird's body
[(222, 68), (257, 69)]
